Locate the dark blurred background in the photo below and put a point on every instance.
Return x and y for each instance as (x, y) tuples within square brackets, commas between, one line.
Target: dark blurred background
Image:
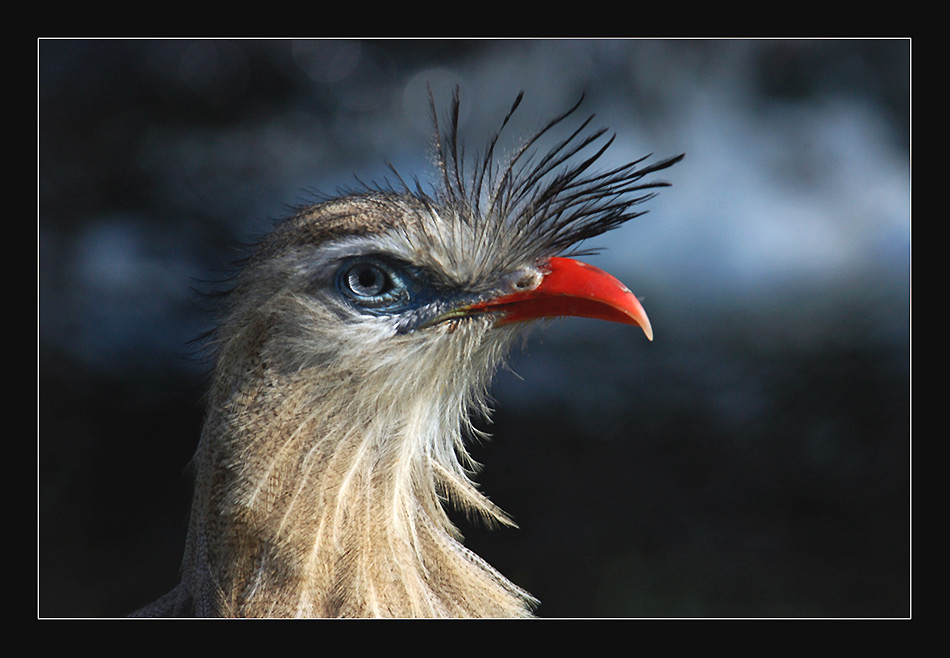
[(752, 461)]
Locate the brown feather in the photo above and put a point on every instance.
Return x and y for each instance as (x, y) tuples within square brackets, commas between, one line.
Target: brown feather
[(334, 440)]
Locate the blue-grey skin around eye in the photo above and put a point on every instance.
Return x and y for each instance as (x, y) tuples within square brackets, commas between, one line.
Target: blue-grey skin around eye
[(383, 286)]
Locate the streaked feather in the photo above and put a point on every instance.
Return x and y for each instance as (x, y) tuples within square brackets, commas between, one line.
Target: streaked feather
[(333, 441)]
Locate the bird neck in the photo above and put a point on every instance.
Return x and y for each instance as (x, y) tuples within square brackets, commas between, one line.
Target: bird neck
[(314, 499)]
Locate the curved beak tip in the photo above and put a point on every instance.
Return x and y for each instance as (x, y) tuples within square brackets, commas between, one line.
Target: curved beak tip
[(648, 330)]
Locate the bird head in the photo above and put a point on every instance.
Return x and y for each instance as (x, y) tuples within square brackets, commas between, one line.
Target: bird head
[(356, 278), (356, 343)]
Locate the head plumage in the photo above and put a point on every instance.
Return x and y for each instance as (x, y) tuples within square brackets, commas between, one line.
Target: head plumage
[(554, 200)]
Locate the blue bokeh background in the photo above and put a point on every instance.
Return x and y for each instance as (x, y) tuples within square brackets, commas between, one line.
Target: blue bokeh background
[(754, 460)]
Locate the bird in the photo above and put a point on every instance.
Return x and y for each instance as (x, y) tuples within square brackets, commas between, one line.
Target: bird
[(352, 362)]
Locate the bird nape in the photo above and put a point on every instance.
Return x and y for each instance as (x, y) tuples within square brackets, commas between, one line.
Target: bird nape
[(352, 351)]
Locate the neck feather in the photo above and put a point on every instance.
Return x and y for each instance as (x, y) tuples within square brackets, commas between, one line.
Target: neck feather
[(315, 499)]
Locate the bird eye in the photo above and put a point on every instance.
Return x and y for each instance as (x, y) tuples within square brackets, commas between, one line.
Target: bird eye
[(373, 284), (367, 280)]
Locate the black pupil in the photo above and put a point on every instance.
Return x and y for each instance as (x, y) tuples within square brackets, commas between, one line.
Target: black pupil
[(367, 278), (368, 281)]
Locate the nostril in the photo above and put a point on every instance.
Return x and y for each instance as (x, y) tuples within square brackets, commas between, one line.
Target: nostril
[(528, 280)]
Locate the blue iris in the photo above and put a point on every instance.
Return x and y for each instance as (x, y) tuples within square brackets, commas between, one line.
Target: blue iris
[(375, 284)]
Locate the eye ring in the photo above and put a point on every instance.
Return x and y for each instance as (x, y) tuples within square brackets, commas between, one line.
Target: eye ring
[(373, 284)]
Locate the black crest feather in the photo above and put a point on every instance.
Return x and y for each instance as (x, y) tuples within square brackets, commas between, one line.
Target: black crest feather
[(557, 199)]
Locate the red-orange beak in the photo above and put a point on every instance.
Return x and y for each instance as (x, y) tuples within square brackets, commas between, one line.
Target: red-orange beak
[(571, 288)]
